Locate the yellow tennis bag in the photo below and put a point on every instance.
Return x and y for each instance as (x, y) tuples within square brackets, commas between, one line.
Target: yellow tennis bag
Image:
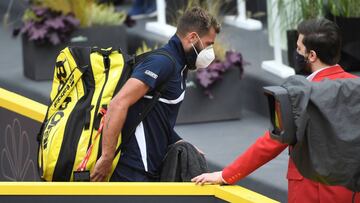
[(85, 80)]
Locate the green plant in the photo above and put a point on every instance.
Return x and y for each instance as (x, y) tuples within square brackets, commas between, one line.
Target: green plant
[(106, 15), (81, 9), (43, 25), (212, 6), (144, 48), (54, 20), (88, 12), (344, 8), (292, 12)]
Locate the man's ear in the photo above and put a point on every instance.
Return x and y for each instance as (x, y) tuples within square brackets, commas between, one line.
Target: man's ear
[(191, 37), (312, 56)]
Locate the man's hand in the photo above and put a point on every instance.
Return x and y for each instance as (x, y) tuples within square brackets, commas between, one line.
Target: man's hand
[(212, 178), (101, 170)]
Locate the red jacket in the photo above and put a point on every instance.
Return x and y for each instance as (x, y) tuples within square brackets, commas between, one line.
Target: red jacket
[(300, 189)]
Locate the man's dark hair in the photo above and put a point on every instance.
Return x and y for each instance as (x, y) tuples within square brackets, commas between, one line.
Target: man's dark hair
[(197, 20), (323, 37)]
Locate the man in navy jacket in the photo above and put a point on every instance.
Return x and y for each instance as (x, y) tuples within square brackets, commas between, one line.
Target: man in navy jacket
[(141, 157)]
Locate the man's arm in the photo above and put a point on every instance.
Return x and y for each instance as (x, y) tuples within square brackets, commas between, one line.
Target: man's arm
[(262, 151), (131, 92)]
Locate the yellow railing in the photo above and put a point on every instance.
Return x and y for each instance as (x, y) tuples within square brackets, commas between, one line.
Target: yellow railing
[(227, 193), (22, 105)]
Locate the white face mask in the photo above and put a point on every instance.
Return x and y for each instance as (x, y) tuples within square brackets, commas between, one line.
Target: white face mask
[(205, 56)]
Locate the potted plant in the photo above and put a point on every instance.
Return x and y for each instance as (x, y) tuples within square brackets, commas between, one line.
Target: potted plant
[(50, 25), (346, 14), (291, 13), (212, 94)]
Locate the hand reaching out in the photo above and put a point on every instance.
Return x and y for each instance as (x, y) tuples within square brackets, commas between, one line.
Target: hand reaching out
[(212, 178)]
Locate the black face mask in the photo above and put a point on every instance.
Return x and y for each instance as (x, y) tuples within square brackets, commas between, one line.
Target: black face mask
[(302, 65)]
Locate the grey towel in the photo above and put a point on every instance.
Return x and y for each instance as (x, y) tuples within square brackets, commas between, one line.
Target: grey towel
[(182, 162)]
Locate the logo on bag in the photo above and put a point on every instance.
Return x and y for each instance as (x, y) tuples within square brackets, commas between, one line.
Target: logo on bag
[(55, 120), (68, 85), (60, 70)]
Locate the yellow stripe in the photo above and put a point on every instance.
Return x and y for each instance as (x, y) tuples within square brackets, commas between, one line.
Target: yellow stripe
[(240, 194), (22, 105), (228, 193)]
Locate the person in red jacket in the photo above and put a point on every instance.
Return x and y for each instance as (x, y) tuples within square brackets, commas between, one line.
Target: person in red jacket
[(318, 51)]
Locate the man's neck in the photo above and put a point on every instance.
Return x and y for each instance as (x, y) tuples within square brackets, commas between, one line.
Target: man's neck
[(183, 43), (318, 66)]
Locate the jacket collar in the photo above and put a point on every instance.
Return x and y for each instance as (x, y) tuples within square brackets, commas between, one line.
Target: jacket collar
[(332, 70), (175, 47)]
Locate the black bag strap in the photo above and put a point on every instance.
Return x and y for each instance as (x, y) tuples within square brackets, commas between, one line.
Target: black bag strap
[(157, 94)]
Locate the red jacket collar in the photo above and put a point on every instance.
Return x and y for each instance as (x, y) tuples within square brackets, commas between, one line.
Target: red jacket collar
[(328, 72)]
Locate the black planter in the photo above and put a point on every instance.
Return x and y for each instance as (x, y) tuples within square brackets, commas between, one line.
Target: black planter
[(350, 28), (39, 60), (226, 104), (292, 36), (257, 6), (350, 32)]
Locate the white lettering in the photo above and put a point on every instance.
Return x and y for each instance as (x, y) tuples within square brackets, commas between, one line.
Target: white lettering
[(151, 74)]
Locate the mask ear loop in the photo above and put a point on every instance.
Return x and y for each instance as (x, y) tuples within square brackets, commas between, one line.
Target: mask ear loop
[(194, 49), (200, 41), (197, 53)]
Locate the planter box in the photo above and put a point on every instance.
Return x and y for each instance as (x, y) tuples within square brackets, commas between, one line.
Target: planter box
[(350, 32), (292, 36), (39, 60), (226, 104)]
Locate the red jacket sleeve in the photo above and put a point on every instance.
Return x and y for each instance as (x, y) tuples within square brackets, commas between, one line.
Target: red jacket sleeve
[(263, 150)]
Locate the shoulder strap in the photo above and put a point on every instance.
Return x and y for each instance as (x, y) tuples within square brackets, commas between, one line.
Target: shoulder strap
[(157, 94)]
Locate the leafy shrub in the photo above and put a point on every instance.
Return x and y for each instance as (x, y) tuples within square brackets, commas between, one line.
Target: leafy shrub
[(44, 25), (209, 76), (54, 20)]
